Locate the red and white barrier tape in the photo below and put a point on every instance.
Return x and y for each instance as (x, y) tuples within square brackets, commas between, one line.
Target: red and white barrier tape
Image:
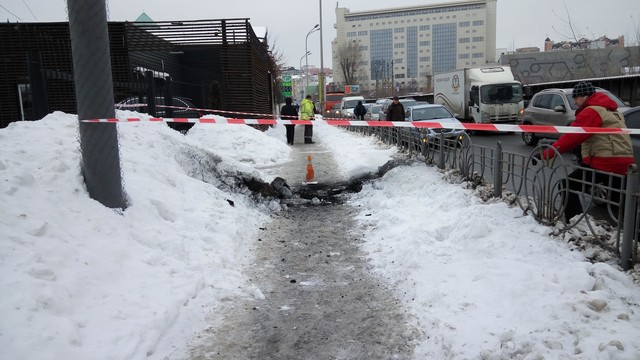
[(213, 111), (430, 124)]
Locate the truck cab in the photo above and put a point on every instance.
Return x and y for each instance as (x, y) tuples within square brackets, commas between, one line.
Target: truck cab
[(480, 95)]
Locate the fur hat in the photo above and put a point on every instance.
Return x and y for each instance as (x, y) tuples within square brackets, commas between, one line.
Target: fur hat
[(583, 89)]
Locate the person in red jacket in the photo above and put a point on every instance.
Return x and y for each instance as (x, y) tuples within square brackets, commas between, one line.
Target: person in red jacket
[(605, 152)]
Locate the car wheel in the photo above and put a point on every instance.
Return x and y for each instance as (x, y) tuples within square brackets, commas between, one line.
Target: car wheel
[(530, 139)]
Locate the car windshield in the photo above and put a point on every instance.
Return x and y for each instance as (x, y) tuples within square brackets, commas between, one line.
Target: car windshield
[(408, 102), (430, 113), (501, 93), (348, 104)]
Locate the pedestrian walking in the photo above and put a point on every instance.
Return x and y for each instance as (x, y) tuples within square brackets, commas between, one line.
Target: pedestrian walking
[(307, 113), (291, 113), (605, 152), (360, 111)]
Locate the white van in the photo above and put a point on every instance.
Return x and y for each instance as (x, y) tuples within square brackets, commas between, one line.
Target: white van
[(348, 103)]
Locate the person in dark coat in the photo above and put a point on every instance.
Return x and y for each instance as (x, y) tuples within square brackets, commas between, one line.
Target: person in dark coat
[(360, 111), (289, 112), (395, 111)]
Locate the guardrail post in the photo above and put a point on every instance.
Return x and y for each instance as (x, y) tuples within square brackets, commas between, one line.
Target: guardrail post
[(628, 226), (441, 157), (497, 171)]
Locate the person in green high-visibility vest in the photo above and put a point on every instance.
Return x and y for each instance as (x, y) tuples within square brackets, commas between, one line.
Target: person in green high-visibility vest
[(307, 113)]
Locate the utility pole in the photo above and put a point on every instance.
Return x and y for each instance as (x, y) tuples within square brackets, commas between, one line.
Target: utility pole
[(321, 81), (93, 84)]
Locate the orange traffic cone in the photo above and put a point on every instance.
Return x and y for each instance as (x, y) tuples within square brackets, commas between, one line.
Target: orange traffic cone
[(311, 176)]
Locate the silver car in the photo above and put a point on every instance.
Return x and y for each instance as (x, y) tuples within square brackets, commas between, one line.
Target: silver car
[(434, 112), (555, 107), (373, 112)]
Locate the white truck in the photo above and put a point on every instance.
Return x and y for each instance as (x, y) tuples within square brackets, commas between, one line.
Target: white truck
[(481, 95)]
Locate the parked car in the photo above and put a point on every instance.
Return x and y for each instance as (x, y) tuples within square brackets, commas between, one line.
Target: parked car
[(347, 104), (555, 107), (335, 111), (632, 119), (434, 112), (373, 112), (186, 106)]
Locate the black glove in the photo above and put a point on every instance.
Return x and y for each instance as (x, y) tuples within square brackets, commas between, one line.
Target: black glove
[(535, 159)]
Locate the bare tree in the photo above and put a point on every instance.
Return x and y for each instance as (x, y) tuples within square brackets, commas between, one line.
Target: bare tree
[(636, 32), (349, 58), (580, 43), (276, 57)]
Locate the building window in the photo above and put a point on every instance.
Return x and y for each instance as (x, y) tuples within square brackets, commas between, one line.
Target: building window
[(444, 55), (478, 23), (478, 55), (381, 45), (463, 40), (398, 46), (478, 38), (464, 24), (412, 51), (351, 34), (363, 33)]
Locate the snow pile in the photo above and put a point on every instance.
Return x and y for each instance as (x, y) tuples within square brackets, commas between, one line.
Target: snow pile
[(485, 280), (80, 279)]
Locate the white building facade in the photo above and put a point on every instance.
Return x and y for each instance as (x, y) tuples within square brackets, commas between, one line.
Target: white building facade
[(402, 48)]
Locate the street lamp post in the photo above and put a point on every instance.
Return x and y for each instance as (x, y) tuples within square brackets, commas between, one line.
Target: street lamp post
[(322, 82), (306, 69), (303, 56)]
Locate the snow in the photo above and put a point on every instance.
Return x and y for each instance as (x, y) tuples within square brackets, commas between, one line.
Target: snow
[(78, 279)]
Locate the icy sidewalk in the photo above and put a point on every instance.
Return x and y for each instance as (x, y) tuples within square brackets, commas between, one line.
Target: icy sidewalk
[(325, 167)]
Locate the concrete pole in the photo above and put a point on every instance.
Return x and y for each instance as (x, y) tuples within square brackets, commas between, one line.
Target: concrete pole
[(94, 97)]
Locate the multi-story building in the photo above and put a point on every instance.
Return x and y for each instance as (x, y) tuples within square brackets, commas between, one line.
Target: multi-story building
[(405, 46)]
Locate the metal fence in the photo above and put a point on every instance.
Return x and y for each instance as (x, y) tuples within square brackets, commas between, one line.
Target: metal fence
[(216, 64), (541, 189)]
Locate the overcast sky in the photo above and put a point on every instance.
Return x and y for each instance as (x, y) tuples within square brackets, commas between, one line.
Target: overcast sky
[(521, 23)]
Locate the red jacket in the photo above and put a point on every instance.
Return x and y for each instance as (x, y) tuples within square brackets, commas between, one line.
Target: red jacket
[(587, 117)]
